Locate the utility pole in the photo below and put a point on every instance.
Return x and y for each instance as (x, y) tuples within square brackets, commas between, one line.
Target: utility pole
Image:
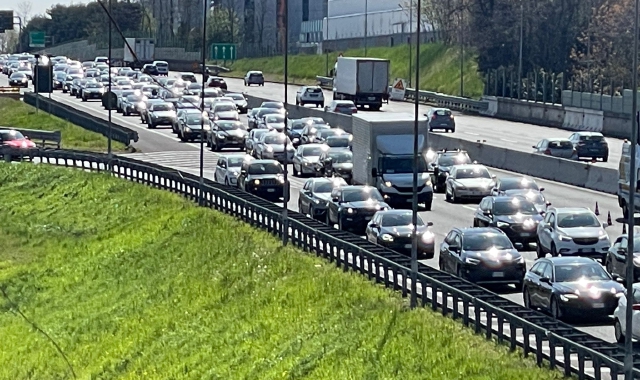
[(285, 193), (416, 157), (520, 54), (462, 50), (202, 109), (109, 97)]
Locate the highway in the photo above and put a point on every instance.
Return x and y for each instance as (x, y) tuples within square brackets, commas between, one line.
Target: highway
[(160, 146)]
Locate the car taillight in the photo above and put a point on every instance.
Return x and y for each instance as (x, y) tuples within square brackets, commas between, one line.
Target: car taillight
[(548, 151), (636, 307), (433, 117)]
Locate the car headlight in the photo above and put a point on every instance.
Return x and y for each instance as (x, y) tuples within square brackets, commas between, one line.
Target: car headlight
[(221, 135), (636, 261), (386, 237), (502, 224), (567, 297), (187, 129), (472, 261), (603, 237), (387, 184), (235, 174), (428, 237), (428, 182), (296, 140), (269, 148), (350, 210), (281, 179), (564, 238), (256, 182)]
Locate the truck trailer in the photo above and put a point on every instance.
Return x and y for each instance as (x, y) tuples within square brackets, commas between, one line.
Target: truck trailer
[(364, 81), (144, 49), (383, 156)]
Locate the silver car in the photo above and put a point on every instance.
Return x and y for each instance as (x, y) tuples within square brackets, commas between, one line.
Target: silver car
[(470, 181), (306, 159), (310, 95), (272, 146), (161, 114), (252, 140), (273, 122), (572, 231), (228, 168), (556, 147)]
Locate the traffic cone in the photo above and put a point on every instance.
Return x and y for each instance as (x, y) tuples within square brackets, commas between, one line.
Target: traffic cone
[(624, 228), (597, 209), (609, 219)]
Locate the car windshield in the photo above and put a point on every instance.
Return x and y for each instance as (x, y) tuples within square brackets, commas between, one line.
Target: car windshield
[(518, 183), (533, 197), (275, 139), (234, 162), (325, 187), (74, 71), (486, 241), (94, 85), (194, 86), (341, 157), (17, 76), (454, 159), (592, 138), (314, 90), (476, 172), (163, 107), (582, 219), (257, 133), (150, 88), (272, 105), (315, 120), (362, 195), (397, 220), (514, 206), (391, 165), (573, 273), (225, 108), (11, 135), (236, 96), (134, 98), (232, 126), (258, 169), (338, 142), (274, 119), (311, 151), (195, 120), (562, 144), (443, 112), (128, 93), (329, 133)]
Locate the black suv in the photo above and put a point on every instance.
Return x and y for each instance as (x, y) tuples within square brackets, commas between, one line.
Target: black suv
[(352, 207), (263, 178), (591, 145), (515, 215), (442, 164)]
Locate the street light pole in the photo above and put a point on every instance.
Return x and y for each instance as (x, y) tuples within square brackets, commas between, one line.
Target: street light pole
[(462, 50), (409, 41), (628, 343), (109, 97), (203, 114), (414, 201), (285, 193), (366, 27)]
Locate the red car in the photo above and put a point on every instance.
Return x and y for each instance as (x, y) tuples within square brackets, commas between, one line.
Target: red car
[(15, 139)]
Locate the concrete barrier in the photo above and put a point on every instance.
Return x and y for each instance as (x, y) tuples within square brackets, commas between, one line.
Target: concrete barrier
[(583, 119), (572, 118), (593, 120), (492, 109)]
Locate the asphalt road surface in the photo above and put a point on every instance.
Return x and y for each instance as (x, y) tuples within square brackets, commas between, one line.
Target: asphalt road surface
[(162, 147)]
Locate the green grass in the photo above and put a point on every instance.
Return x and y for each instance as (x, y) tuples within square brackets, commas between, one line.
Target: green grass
[(137, 283), (439, 67), (16, 114)]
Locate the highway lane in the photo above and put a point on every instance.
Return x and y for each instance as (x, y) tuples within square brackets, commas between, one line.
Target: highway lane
[(169, 151), (511, 135)]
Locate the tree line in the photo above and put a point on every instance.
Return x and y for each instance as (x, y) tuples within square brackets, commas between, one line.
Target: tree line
[(582, 38)]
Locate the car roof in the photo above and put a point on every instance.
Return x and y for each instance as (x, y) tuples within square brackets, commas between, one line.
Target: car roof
[(264, 162), (564, 260), (469, 166), (233, 155), (557, 139), (570, 210), (586, 133), (478, 230), (314, 145), (516, 179), (9, 130), (395, 212), (440, 109)]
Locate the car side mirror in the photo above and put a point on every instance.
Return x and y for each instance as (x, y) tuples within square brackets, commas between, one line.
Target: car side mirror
[(374, 172), (534, 147), (541, 189), (486, 212), (545, 280), (429, 224), (605, 225), (453, 249), (622, 252), (373, 225), (548, 203), (493, 176), (618, 279), (335, 199), (243, 172)]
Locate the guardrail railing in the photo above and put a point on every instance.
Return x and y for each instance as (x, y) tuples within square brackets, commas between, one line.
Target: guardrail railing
[(550, 341), (443, 100)]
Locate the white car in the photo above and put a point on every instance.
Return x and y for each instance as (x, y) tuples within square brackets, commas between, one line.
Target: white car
[(572, 231), (228, 168), (469, 181), (619, 316), (162, 67), (310, 95)]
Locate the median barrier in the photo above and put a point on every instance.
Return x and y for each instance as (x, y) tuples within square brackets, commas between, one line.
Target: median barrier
[(602, 179), (552, 343), (89, 122), (492, 106), (593, 120)]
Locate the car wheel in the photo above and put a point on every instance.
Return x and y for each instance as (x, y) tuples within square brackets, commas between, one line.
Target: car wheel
[(312, 212), (340, 226), (454, 199), (475, 223), (84, 99), (617, 327), (428, 206), (441, 265), (539, 252), (327, 220), (554, 251), (447, 196), (556, 313), (605, 159), (625, 210), (527, 298)]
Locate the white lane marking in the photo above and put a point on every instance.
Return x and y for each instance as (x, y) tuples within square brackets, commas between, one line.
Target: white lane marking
[(511, 141), (471, 133), (469, 207)]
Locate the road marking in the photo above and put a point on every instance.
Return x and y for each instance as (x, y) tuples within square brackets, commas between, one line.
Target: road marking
[(469, 207), (507, 140), (471, 133)]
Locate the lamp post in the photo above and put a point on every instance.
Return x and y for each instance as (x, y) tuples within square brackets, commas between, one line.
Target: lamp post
[(109, 97), (628, 345), (205, 9), (285, 193), (414, 201), (462, 50)]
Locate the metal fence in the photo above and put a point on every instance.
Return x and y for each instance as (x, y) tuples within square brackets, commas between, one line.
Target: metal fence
[(551, 342)]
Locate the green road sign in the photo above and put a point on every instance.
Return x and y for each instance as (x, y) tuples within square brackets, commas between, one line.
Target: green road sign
[(224, 52), (36, 39)]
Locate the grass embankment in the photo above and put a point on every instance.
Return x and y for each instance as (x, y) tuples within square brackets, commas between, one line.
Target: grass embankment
[(16, 114), (137, 283), (439, 67)]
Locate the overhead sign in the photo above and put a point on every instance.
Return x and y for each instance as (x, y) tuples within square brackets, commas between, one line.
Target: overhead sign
[(224, 52), (6, 21), (37, 39), (398, 89)]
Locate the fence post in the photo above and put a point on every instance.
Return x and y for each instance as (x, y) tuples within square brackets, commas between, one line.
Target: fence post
[(535, 87), (504, 81), (544, 87), (495, 81)]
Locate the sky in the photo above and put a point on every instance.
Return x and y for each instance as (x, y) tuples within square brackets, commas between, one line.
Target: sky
[(37, 6)]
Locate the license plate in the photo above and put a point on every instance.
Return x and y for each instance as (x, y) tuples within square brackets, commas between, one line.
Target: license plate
[(367, 218), (314, 95), (586, 250), (526, 234), (498, 274), (372, 98), (407, 245), (598, 305), (271, 190)]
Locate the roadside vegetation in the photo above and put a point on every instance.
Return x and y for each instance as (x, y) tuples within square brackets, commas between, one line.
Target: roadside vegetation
[(137, 283), (439, 67), (17, 114)]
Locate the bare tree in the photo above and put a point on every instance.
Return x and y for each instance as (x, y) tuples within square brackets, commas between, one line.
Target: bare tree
[(8, 41), (260, 12), (24, 11)]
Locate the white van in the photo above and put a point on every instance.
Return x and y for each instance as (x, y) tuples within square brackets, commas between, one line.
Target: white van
[(101, 60), (162, 66), (623, 178)]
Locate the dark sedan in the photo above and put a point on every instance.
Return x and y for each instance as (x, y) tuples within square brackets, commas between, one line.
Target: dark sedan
[(482, 255), (18, 80), (616, 259), (442, 164), (315, 194), (516, 216), (394, 229), (352, 207), (571, 287), (217, 82), (227, 134)]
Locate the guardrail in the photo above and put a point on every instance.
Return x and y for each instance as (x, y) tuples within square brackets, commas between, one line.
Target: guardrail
[(550, 341), (443, 100), (10, 92), (92, 123), (45, 138)]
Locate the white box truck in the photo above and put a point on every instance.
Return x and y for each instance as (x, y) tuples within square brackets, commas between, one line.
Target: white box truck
[(383, 156), (144, 49), (365, 81), (624, 176)]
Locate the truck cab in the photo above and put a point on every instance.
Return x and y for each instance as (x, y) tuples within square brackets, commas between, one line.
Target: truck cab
[(383, 157), (624, 175)]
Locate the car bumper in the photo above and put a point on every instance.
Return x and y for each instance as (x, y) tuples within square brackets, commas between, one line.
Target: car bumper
[(570, 248), (502, 274), (226, 143), (519, 234), (356, 220), (193, 135), (472, 193), (424, 196), (266, 191), (441, 125), (162, 121), (425, 251), (588, 308), (89, 95), (598, 153)]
